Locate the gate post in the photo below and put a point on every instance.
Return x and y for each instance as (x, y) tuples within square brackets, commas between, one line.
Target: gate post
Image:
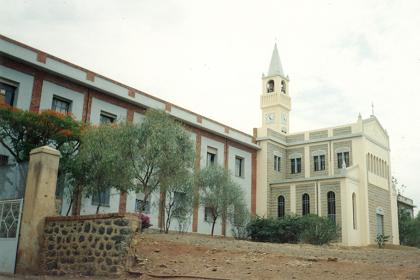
[(39, 202)]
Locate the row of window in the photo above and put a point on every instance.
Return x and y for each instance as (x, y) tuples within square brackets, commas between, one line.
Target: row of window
[(377, 165), (59, 104), (239, 161), (306, 206), (343, 160), (270, 86)]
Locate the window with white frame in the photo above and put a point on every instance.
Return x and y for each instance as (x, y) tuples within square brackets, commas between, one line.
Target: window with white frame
[(319, 160), (107, 118), (7, 93), (239, 166), (208, 214), (61, 105), (280, 206), (101, 198), (306, 208), (379, 224), (331, 206), (343, 157), (277, 163), (211, 156), (295, 163), (179, 197)]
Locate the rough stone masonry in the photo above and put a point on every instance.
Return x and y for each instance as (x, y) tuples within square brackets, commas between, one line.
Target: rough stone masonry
[(90, 245)]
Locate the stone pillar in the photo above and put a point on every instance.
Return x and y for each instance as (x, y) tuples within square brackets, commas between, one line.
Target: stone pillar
[(38, 203)]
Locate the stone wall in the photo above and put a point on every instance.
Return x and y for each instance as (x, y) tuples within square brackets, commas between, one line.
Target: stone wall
[(379, 198), (90, 245)]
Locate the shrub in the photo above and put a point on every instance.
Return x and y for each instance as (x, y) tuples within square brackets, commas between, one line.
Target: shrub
[(409, 229), (381, 240), (263, 230), (317, 230), (293, 229)]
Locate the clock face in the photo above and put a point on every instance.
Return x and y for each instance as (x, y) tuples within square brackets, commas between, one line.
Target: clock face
[(269, 118)]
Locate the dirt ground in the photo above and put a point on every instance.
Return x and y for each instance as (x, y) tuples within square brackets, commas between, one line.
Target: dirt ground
[(204, 256), (191, 256)]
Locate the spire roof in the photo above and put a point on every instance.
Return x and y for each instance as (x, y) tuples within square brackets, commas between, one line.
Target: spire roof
[(275, 68)]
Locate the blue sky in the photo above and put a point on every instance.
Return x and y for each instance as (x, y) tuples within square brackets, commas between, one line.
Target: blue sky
[(208, 56)]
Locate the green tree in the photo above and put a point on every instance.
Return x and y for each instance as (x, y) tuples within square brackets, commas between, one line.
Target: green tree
[(21, 131), (102, 162), (178, 200), (160, 152), (409, 229), (218, 193)]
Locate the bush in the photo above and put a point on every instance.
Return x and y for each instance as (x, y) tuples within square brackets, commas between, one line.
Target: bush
[(409, 229), (293, 229), (381, 240), (317, 230)]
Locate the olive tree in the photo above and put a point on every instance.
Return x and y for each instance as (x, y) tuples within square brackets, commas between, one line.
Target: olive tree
[(101, 163), (179, 196), (160, 152), (219, 194)]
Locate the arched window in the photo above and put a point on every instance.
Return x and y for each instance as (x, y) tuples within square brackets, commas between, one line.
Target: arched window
[(305, 204), (280, 206), (353, 200), (331, 205), (270, 86), (283, 86)]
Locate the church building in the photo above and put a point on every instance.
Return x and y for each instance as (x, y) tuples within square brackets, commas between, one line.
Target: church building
[(340, 172)]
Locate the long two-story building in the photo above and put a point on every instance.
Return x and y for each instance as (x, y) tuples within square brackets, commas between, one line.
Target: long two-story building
[(33, 80), (341, 172)]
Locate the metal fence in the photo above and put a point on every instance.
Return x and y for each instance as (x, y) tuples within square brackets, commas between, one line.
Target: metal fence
[(13, 181)]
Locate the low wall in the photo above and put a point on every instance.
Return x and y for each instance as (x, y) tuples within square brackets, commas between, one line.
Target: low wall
[(90, 245)]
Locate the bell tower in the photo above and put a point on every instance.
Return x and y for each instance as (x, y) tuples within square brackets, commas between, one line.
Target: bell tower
[(275, 100)]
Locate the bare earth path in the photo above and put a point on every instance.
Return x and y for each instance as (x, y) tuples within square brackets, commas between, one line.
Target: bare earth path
[(225, 258), (189, 254)]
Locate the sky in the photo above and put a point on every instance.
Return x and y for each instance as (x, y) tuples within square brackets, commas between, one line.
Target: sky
[(208, 56)]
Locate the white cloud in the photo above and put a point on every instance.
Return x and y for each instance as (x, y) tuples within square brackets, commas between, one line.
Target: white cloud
[(209, 56)]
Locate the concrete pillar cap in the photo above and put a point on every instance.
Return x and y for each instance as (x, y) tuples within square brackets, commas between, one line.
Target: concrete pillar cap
[(45, 150)]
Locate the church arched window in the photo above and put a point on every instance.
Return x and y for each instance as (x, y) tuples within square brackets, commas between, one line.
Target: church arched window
[(270, 86), (331, 205), (305, 204), (283, 86), (280, 206)]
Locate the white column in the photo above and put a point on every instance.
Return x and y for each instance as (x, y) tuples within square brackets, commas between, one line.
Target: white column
[(293, 198), (307, 163)]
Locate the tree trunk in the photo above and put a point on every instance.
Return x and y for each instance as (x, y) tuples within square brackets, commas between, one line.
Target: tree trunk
[(212, 226), (76, 201), (71, 203), (97, 208)]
